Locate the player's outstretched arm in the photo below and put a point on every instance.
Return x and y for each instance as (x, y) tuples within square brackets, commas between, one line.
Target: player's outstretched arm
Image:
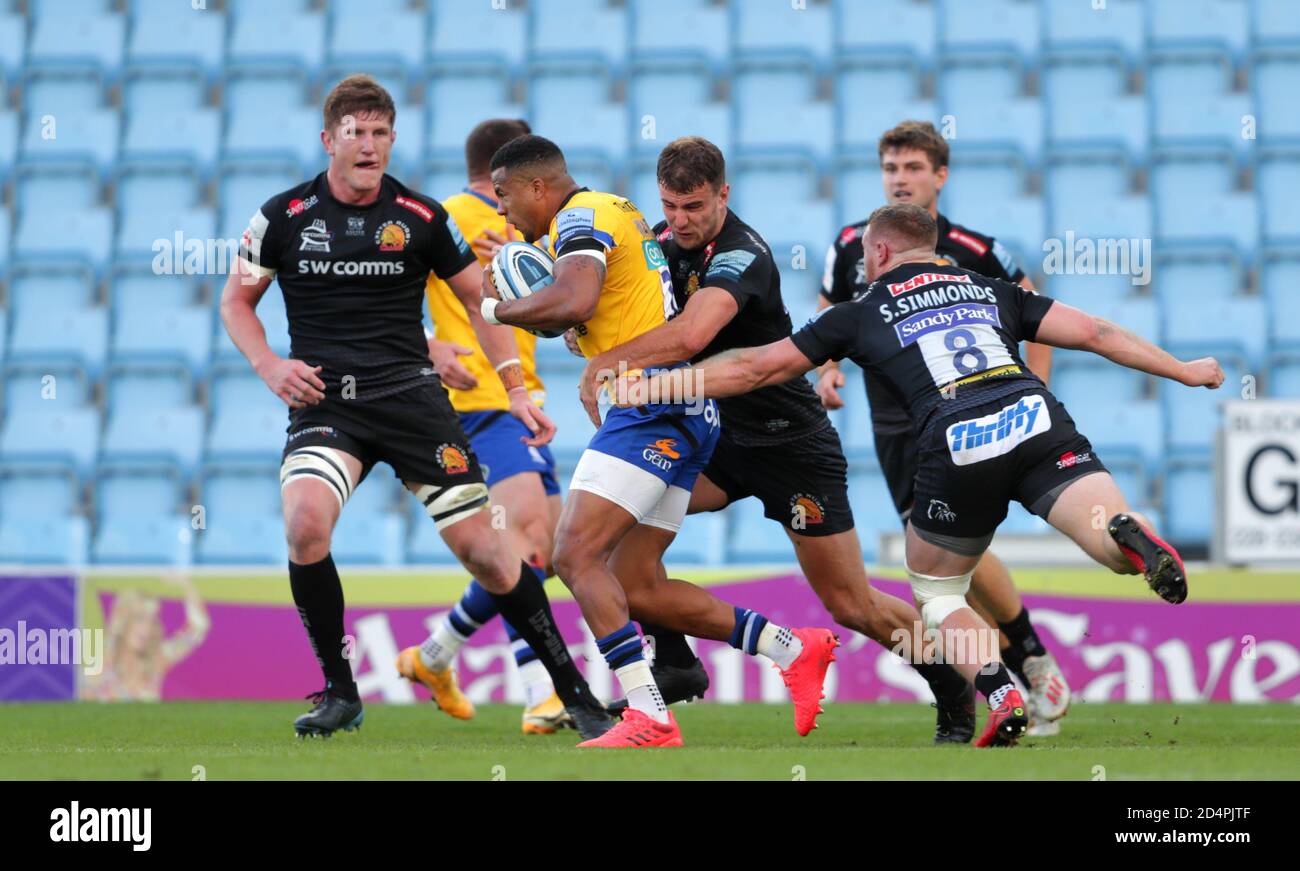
[(727, 374), (292, 380), (829, 377), (570, 300), (1066, 327), (707, 311), (498, 343)]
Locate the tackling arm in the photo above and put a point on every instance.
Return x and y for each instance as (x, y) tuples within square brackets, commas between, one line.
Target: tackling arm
[(730, 373)]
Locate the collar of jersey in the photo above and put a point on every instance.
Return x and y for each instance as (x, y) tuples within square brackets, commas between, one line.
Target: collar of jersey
[(478, 196), (573, 193), (384, 188)]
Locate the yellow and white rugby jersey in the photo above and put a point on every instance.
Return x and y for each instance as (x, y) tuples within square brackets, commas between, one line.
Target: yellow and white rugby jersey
[(638, 292), (473, 214)]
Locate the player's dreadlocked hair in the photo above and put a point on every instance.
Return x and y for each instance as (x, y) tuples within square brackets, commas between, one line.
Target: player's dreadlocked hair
[(920, 135), (528, 150), (689, 162), (488, 136), (907, 223), (358, 95)]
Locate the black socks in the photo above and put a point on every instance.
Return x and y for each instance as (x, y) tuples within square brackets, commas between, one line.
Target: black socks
[(527, 609), (319, 596)]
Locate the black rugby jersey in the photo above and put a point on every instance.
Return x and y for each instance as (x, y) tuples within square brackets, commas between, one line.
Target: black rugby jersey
[(353, 280), (845, 278), (738, 261), (924, 326)]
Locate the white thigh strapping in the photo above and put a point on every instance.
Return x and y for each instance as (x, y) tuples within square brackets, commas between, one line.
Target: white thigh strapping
[(670, 511), (631, 488), (939, 597)]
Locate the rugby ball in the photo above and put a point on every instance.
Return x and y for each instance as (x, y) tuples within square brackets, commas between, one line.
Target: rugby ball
[(519, 270)]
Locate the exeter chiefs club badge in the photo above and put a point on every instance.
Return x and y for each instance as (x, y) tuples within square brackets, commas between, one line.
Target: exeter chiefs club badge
[(452, 459), (392, 236), (692, 284), (805, 510)]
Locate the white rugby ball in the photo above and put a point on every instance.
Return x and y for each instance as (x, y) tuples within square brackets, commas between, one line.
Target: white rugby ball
[(519, 270)]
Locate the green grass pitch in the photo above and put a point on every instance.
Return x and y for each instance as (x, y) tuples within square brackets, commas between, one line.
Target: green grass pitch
[(242, 740)]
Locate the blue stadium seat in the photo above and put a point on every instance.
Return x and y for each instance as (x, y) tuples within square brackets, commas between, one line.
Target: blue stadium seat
[(599, 129), (1016, 222), (86, 135), (774, 28), (270, 310), (1019, 521), (551, 85), (242, 514), (68, 334), (1071, 78), (62, 90), (1192, 415), (1175, 173), (976, 177), (873, 508), (98, 39), (673, 119), (143, 538), (461, 91), (1077, 373), (141, 228), (1279, 177), (808, 127), (138, 387), (1004, 25), (295, 136), (369, 537), (1284, 376), (243, 189), (753, 538), (1132, 430), (163, 89), (85, 235), (886, 27), (237, 388), (1189, 495), (37, 492), (1214, 119), (69, 437), (1238, 324), (857, 189), (1120, 25), (1172, 75), (50, 285), (668, 31), (974, 81), (137, 288), (700, 541), (573, 428), (166, 134), (858, 81), (45, 386), (55, 8), (270, 37), (1072, 177), (1277, 281), (169, 435), (440, 179), (246, 434), (172, 334), (779, 200), (1139, 314), (361, 38), (51, 189), (13, 45), (178, 33), (424, 544), (44, 540), (1276, 78), (4, 329), (654, 88), (1122, 218), (8, 142), (1220, 23), (260, 91), (863, 121), (562, 28), (1119, 122), (478, 35), (142, 187), (1226, 218), (1005, 124), (1275, 23), (1191, 279), (854, 422)]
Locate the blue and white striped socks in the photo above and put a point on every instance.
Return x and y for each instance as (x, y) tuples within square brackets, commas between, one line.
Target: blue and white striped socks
[(754, 634), (622, 651), (475, 608)]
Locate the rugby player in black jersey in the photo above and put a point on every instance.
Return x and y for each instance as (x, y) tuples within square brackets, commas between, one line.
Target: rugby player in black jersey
[(945, 343), (352, 249), (777, 444), (914, 169)]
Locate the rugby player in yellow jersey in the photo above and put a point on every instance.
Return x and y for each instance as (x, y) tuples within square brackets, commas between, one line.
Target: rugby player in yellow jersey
[(612, 284), (520, 477)]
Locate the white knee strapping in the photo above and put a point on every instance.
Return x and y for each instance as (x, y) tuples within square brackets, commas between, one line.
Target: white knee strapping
[(324, 464), (939, 597), (446, 505)]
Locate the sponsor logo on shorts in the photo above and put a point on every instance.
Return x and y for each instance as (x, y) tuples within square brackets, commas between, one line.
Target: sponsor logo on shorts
[(807, 507), (297, 207), (661, 453), (452, 459), (940, 511), (392, 236), (993, 435), (1070, 458), (316, 237), (925, 278), (419, 208), (322, 430)]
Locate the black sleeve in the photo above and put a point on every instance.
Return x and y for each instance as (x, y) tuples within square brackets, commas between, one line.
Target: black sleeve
[(1027, 309), (449, 253), (998, 263), (259, 247), (831, 335), (837, 282), (744, 272)]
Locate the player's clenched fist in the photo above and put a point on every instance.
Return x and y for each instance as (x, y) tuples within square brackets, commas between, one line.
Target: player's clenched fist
[(294, 381), (1204, 372), (453, 373), (828, 388)]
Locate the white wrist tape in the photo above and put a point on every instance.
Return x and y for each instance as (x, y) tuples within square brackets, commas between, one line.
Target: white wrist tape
[(488, 310)]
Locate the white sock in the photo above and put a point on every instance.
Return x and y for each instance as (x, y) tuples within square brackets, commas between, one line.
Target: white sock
[(537, 683), (779, 645), (439, 649), (641, 691)]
